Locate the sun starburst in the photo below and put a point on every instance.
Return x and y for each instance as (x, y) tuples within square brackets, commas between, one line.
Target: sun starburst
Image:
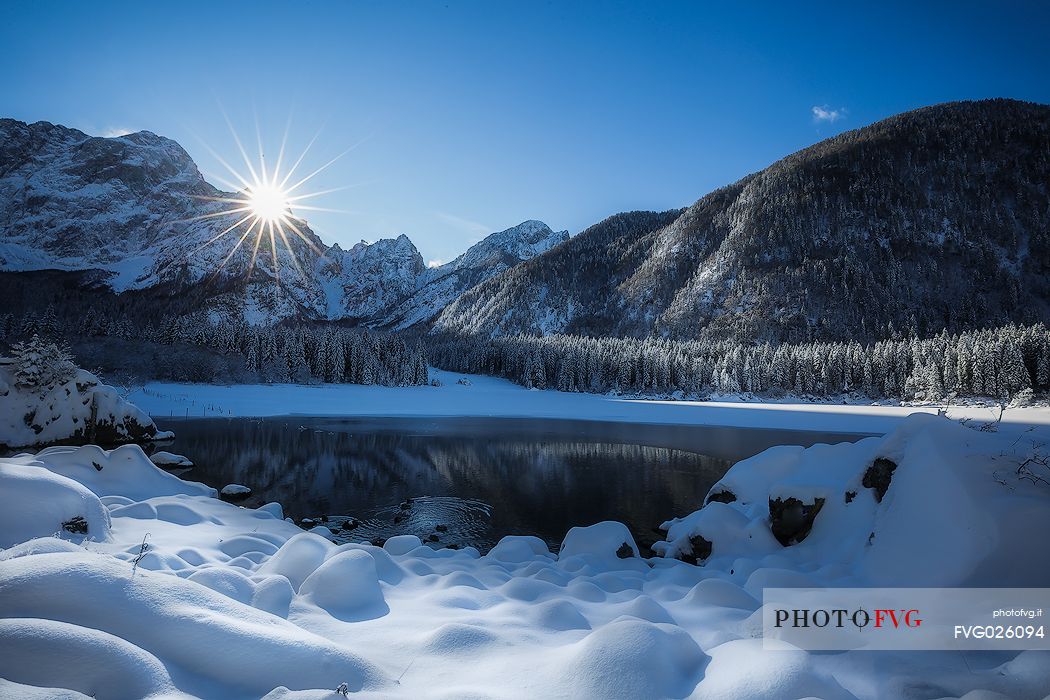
[(264, 204)]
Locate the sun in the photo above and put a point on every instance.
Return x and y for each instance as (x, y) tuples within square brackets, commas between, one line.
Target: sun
[(265, 206), (268, 202)]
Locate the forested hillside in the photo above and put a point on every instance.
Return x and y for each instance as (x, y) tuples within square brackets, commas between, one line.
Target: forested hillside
[(932, 220)]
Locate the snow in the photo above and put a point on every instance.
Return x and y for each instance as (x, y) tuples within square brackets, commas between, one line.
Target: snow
[(37, 502), (167, 459), (146, 223), (235, 490), (64, 412), (183, 593), (493, 397), (951, 516)]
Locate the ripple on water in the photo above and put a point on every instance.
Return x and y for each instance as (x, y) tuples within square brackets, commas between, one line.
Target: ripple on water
[(440, 521)]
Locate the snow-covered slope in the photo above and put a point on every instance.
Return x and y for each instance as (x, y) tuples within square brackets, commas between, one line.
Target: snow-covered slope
[(439, 286), (136, 209), (369, 278), (934, 219)]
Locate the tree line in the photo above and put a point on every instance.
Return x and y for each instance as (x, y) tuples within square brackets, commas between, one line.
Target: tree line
[(999, 363), (294, 353)]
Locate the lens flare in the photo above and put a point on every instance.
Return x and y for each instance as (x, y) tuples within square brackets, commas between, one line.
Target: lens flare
[(268, 203), (265, 204)]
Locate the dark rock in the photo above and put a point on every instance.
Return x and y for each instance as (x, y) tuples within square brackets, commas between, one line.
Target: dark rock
[(378, 541), (723, 496), (791, 519), (324, 518), (350, 524), (432, 538), (398, 518), (405, 505), (625, 551), (878, 476), (850, 495), (699, 550), (452, 546), (307, 523), (77, 526), (441, 528)]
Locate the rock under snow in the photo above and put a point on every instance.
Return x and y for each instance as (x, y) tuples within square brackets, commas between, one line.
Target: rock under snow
[(235, 492), (949, 516), (78, 411), (167, 459), (38, 502)]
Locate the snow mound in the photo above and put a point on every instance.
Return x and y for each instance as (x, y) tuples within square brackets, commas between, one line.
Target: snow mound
[(77, 411), (38, 503), (740, 669), (235, 492), (227, 644), (604, 542), (92, 662), (926, 505), (125, 471), (347, 586), (298, 558), (635, 659), (519, 548)]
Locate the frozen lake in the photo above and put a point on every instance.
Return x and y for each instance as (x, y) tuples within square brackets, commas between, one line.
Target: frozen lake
[(477, 478)]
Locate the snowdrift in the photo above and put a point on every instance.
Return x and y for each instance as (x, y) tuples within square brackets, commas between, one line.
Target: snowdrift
[(931, 504), (75, 412), (172, 591)]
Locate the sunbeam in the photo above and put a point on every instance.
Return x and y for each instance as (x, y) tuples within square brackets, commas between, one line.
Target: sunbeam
[(266, 203)]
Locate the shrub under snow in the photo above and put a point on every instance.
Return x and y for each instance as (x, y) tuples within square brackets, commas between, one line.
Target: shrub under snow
[(45, 399)]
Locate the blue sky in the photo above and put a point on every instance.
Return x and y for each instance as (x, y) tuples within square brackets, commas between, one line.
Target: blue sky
[(469, 117)]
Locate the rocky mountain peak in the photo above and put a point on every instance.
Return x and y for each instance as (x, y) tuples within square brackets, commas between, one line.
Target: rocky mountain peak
[(134, 208)]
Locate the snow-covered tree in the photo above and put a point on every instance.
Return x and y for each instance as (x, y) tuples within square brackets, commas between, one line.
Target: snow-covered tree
[(41, 364)]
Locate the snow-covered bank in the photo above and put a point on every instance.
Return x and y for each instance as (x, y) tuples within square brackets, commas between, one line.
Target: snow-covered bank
[(493, 397), (76, 409), (230, 602)]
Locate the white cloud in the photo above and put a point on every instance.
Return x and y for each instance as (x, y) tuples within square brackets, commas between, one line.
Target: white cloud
[(113, 132), (465, 225), (435, 263), (826, 114)]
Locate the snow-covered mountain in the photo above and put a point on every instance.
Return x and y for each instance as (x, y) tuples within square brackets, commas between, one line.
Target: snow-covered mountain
[(136, 212), (935, 219), (439, 286), (136, 209)]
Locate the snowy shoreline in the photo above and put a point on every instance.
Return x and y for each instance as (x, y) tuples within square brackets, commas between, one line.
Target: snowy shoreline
[(493, 397), (229, 602)]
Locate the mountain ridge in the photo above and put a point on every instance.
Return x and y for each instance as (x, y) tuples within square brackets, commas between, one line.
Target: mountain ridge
[(136, 210), (934, 219)]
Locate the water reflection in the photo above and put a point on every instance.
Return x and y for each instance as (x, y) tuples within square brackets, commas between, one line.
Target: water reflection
[(477, 479)]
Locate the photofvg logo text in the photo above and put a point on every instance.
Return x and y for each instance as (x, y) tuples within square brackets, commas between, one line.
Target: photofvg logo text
[(859, 618), (905, 618)]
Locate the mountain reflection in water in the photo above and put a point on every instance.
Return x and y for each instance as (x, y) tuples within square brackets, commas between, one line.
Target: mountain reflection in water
[(471, 481)]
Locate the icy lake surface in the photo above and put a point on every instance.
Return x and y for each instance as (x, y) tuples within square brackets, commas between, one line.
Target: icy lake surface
[(471, 480)]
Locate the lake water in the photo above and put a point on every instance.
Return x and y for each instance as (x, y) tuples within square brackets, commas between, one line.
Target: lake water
[(471, 480)]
